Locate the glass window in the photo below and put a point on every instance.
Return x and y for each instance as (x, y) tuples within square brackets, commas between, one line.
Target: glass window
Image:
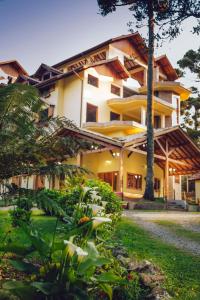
[(115, 90), (92, 80), (92, 111), (134, 181), (114, 116)]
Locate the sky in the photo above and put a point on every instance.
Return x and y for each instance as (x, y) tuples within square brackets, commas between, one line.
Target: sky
[(48, 31)]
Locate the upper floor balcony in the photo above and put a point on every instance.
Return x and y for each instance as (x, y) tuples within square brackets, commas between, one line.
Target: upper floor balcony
[(169, 86)]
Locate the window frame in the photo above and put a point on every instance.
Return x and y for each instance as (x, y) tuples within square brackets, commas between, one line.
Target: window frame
[(138, 184), (117, 88), (92, 77), (97, 110), (111, 119)]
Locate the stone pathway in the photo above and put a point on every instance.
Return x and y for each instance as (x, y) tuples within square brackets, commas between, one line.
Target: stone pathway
[(190, 221)]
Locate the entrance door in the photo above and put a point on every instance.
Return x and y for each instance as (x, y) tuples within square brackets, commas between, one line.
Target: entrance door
[(112, 178)]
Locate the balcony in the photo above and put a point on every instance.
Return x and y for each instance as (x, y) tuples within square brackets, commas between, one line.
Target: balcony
[(115, 128), (132, 105), (169, 86)]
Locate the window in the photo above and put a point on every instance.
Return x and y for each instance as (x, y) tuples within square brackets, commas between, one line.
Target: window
[(156, 93), (110, 177), (156, 184), (114, 116), (115, 90), (46, 76), (134, 181), (92, 80), (92, 111)]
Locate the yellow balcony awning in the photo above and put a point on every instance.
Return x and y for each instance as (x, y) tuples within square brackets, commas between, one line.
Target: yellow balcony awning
[(133, 103), (115, 128), (171, 86)]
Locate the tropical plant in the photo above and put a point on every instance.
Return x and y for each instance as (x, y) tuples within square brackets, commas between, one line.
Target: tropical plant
[(27, 145), (164, 18), (67, 270)]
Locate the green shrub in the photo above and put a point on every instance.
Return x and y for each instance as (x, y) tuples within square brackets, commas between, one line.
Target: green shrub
[(49, 201), (114, 204), (25, 203), (19, 215)]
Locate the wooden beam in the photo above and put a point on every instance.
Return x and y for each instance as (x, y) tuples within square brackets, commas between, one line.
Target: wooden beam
[(178, 162), (161, 146), (167, 172), (100, 150), (121, 171)]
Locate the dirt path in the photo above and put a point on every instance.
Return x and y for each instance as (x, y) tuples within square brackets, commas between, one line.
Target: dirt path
[(190, 221)]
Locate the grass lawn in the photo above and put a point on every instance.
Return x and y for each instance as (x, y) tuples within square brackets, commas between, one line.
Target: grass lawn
[(182, 270), (43, 223), (179, 230)]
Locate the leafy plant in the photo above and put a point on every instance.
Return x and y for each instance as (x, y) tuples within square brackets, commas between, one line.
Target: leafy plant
[(19, 215)]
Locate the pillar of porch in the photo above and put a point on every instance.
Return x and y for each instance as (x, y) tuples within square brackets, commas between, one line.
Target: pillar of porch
[(121, 172), (143, 115), (79, 159), (167, 179)]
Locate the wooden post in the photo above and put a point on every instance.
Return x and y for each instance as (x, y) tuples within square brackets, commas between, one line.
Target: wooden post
[(167, 172), (121, 172), (79, 159)]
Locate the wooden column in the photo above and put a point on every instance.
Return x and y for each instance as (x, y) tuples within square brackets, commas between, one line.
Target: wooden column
[(167, 172), (121, 172), (79, 160)]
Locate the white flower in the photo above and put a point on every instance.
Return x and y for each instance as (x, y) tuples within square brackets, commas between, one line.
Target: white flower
[(104, 203), (71, 248), (100, 220), (95, 208), (81, 253)]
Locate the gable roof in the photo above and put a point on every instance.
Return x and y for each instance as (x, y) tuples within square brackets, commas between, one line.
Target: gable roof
[(16, 65), (22, 78), (44, 67), (135, 38), (167, 67), (114, 63)]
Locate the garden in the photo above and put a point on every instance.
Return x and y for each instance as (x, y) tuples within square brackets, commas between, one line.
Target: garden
[(58, 245)]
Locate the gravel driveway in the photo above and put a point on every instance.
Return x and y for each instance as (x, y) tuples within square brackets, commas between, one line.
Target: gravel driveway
[(190, 221)]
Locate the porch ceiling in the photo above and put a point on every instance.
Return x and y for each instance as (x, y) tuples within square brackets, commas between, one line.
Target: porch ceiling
[(184, 155)]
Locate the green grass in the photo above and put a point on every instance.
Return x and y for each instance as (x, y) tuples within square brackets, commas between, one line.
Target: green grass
[(182, 270), (43, 223), (180, 231)]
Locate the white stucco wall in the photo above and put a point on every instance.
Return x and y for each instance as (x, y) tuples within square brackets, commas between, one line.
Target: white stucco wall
[(99, 95)]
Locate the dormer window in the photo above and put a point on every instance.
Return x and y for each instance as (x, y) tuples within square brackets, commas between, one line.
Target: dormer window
[(92, 80), (46, 76)]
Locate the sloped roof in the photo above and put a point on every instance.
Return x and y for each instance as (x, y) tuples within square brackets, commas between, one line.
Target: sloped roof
[(16, 65), (44, 67), (114, 63), (167, 67), (135, 38), (184, 149)]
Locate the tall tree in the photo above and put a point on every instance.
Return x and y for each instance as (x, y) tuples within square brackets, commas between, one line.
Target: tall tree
[(28, 145), (190, 109), (164, 21)]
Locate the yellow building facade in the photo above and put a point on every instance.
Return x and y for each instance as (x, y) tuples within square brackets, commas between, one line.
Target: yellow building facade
[(103, 90)]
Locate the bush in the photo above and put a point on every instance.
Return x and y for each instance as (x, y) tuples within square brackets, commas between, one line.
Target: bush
[(114, 204), (25, 203), (49, 201), (19, 215)]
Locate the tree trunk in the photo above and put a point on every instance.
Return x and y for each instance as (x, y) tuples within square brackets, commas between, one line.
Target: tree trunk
[(149, 189)]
